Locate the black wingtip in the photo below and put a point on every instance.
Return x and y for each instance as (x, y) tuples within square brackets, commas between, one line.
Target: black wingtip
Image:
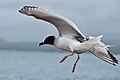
[(20, 11), (113, 58), (114, 64), (26, 7)]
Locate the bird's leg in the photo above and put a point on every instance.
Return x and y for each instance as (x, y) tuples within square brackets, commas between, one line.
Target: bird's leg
[(66, 57), (75, 63)]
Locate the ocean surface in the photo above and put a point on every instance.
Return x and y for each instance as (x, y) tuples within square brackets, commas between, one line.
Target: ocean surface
[(29, 65)]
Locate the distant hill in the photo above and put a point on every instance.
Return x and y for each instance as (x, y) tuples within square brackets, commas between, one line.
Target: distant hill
[(2, 41)]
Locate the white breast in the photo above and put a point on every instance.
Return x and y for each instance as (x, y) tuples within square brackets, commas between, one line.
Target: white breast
[(69, 44)]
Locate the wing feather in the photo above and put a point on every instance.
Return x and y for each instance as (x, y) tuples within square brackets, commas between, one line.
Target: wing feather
[(104, 55), (64, 25), (108, 60)]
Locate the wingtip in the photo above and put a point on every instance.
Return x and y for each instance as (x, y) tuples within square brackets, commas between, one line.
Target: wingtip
[(26, 10), (113, 58), (20, 11), (116, 61), (114, 64)]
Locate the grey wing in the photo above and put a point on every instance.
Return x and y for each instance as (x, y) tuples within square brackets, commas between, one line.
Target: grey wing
[(104, 55), (64, 25)]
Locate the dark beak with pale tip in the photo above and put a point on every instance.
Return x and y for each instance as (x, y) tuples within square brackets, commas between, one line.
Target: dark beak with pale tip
[(40, 44)]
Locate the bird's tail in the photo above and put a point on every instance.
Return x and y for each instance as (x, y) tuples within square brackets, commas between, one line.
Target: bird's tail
[(96, 39), (94, 42)]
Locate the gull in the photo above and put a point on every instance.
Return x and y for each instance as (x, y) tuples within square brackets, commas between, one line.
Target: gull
[(70, 38)]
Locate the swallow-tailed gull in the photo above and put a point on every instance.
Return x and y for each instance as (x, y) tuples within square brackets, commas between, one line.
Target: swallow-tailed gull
[(70, 38)]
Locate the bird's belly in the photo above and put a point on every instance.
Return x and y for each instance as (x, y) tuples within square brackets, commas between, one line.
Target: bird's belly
[(70, 45), (77, 49), (80, 51), (64, 47)]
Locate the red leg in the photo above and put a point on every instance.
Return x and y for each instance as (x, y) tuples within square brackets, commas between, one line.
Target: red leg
[(66, 57), (75, 63)]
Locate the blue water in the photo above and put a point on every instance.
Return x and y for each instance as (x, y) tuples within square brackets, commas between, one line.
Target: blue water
[(18, 65)]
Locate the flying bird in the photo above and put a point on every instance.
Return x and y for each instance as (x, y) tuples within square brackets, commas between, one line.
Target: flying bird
[(70, 38)]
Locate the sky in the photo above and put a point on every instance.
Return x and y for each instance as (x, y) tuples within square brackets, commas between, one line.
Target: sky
[(93, 18)]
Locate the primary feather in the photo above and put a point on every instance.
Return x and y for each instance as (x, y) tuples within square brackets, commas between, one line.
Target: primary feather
[(64, 25)]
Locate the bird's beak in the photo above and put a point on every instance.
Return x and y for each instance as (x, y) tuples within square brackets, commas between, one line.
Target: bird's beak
[(40, 44)]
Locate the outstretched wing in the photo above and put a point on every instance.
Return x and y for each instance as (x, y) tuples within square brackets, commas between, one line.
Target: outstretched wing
[(64, 25), (105, 55)]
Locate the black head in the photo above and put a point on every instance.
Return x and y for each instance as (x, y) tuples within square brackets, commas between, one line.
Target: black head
[(48, 40)]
